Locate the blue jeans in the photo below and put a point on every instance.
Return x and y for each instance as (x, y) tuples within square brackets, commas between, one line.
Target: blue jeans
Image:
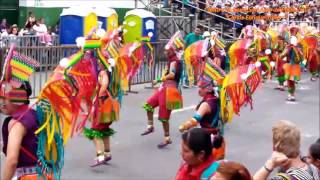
[(185, 79), (165, 3)]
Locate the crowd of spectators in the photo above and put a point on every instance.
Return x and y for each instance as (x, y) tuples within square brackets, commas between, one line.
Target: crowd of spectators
[(32, 27), (285, 163), (301, 10)]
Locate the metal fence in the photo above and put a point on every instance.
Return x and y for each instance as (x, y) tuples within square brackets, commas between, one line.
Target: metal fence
[(313, 23), (25, 41), (145, 74), (49, 57)]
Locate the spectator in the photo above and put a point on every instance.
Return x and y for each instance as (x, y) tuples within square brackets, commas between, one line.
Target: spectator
[(199, 163), (31, 20), (50, 30), (6, 32), (209, 3), (191, 5), (314, 155), (229, 170), (41, 30), (189, 39), (165, 3), (286, 146), (26, 31), (55, 29), (202, 7), (4, 25), (14, 30), (196, 152)]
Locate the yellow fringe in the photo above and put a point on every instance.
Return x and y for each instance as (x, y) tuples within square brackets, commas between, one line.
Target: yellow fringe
[(189, 68), (50, 137), (45, 124)]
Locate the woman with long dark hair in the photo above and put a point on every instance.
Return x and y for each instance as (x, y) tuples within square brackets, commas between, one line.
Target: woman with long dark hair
[(199, 163)]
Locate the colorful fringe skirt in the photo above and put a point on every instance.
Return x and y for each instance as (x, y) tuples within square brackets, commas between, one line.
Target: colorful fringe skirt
[(292, 71), (92, 133), (173, 98), (109, 111)]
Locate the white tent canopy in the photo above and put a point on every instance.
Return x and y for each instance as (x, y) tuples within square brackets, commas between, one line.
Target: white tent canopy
[(141, 13), (104, 12), (84, 11)]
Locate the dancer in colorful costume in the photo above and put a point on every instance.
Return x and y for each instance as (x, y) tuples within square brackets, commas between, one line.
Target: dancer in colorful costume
[(109, 94), (217, 52), (260, 50), (208, 115), (112, 81), (280, 46), (107, 112), (238, 53), (76, 82), (292, 55), (311, 44), (215, 110), (18, 130), (167, 97)]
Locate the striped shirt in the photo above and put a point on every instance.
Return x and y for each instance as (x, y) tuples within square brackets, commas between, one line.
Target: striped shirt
[(312, 173)]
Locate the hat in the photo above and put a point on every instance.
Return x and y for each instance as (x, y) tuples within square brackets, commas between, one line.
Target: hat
[(176, 43), (206, 34), (214, 33), (248, 31), (17, 68), (294, 30), (18, 96), (14, 83), (206, 83)]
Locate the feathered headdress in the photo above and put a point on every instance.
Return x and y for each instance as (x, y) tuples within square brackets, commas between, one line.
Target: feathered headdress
[(294, 31), (16, 71), (193, 57), (248, 31), (238, 86), (309, 44), (176, 42), (17, 68), (238, 52)]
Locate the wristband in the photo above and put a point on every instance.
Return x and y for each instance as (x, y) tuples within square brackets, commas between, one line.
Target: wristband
[(267, 169)]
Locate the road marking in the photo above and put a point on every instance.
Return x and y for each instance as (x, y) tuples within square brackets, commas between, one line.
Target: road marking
[(180, 110), (291, 102), (308, 135), (304, 88), (301, 81)]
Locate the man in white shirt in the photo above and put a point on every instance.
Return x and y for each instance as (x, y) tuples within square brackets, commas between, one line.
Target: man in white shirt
[(41, 30)]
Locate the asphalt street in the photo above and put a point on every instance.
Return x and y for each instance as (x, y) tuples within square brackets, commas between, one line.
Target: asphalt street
[(248, 136)]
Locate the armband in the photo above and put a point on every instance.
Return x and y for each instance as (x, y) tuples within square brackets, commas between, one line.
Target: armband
[(197, 117)]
